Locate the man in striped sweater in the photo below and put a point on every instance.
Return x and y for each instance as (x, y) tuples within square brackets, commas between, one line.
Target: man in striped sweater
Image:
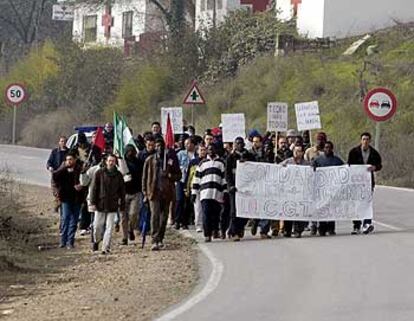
[(210, 184)]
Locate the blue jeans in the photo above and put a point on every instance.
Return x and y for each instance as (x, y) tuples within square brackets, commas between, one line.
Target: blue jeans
[(70, 217)]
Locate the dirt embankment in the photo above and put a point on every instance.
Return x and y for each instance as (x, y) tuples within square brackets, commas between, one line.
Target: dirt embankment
[(39, 281)]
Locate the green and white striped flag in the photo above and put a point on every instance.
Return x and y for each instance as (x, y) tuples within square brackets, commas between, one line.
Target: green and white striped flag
[(122, 135)]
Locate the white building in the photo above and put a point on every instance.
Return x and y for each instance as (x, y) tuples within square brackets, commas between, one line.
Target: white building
[(125, 20), (342, 18), (204, 11)]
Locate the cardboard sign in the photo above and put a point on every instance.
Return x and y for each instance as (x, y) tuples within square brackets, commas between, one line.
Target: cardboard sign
[(234, 125), (307, 116), (277, 117), (176, 116)]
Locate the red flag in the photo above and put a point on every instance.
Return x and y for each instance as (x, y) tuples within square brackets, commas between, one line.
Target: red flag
[(99, 139), (169, 135)]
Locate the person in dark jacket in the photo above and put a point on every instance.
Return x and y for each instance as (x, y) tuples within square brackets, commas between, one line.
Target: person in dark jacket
[(368, 155), (107, 198), (161, 171), (56, 158), (133, 197), (71, 195), (57, 155), (237, 224), (328, 158)]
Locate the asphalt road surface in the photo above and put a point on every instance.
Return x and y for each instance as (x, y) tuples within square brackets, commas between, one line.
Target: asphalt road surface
[(343, 277)]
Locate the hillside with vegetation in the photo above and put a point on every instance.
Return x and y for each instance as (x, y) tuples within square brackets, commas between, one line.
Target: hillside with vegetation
[(238, 72)]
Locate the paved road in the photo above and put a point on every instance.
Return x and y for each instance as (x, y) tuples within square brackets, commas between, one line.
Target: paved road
[(311, 279)]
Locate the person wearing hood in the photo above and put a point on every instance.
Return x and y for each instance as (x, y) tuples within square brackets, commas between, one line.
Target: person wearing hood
[(133, 194), (240, 153)]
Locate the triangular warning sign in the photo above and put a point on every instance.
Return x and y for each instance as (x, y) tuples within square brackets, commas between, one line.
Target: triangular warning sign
[(194, 96)]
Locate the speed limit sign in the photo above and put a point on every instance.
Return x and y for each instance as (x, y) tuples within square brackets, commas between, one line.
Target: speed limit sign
[(15, 94)]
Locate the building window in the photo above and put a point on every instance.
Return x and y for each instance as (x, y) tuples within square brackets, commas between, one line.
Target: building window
[(202, 5), (210, 4), (90, 28), (219, 4), (127, 24)]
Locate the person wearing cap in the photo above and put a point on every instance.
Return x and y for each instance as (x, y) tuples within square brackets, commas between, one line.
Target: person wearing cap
[(249, 141), (240, 153), (290, 138)]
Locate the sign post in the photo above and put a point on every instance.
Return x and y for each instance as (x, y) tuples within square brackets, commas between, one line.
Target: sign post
[(194, 97), (380, 104), (15, 94)]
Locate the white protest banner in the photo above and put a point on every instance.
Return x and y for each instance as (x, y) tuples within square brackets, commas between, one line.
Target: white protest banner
[(234, 126), (307, 116), (176, 116), (298, 193), (277, 117)]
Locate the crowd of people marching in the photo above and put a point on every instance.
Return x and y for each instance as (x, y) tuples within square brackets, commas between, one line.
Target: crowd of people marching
[(190, 184)]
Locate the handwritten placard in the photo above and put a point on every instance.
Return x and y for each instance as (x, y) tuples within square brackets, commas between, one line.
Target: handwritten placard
[(234, 126)]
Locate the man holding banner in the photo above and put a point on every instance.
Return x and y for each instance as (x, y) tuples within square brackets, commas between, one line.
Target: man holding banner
[(326, 160), (241, 154)]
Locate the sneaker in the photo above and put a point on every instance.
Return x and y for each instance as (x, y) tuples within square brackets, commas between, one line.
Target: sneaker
[(70, 247), (61, 246), (94, 247), (207, 239), (216, 235), (264, 236), (124, 242), (368, 228), (297, 235), (236, 238), (332, 233), (161, 245), (177, 226), (275, 233), (313, 230), (199, 230), (184, 227), (131, 236), (82, 232), (155, 247), (104, 252), (356, 231)]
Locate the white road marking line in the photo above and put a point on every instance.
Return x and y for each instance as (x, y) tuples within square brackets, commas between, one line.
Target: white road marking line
[(388, 226), (402, 189), (211, 284)]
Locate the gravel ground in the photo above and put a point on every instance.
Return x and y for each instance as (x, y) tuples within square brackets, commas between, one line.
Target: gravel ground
[(60, 284)]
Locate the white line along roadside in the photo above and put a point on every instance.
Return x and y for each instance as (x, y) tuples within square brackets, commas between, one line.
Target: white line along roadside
[(401, 189), (211, 284)]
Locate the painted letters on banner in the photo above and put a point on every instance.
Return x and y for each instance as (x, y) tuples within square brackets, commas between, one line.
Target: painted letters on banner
[(176, 116), (298, 193), (234, 126), (307, 116), (277, 117)]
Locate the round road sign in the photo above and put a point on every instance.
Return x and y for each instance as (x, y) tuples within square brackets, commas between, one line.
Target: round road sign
[(15, 94), (380, 104)]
